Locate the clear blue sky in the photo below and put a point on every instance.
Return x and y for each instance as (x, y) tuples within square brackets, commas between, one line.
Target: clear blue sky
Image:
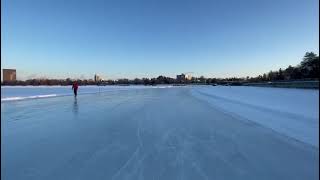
[(147, 38)]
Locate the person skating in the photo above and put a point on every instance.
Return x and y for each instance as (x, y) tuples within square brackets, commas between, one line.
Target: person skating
[(75, 88)]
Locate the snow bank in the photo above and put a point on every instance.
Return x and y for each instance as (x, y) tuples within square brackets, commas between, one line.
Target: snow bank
[(292, 112)]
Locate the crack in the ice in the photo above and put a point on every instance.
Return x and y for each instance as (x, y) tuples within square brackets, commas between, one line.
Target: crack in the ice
[(126, 163), (200, 171)]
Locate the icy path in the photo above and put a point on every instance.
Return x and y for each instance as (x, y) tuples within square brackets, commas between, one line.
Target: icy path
[(143, 134)]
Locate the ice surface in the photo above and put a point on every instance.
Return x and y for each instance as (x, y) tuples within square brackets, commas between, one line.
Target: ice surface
[(292, 112), (144, 133), (14, 93)]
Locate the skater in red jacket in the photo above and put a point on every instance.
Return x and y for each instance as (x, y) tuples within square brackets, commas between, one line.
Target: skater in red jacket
[(75, 88)]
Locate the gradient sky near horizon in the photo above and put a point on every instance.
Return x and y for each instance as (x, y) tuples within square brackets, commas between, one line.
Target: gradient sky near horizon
[(147, 38)]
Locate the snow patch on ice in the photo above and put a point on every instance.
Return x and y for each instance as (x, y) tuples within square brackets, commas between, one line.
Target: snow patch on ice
[(28, 97)]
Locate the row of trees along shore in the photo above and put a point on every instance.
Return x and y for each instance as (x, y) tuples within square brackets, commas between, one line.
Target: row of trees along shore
[(308, 69)]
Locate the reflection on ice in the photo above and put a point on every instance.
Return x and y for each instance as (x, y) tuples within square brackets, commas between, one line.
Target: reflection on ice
[(75, 106)]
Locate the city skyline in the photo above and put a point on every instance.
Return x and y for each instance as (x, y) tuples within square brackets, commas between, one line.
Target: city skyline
[(125, 39)]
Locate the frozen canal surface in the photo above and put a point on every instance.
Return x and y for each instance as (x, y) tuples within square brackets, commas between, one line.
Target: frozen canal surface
[(151, 133)]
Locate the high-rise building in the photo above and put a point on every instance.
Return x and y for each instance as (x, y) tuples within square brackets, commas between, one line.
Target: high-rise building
[(9, 75), (97, 78)]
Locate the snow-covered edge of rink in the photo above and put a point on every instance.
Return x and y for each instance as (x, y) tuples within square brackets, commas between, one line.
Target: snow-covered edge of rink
[(287, 121)]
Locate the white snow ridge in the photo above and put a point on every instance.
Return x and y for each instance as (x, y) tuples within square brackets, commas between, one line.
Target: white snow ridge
[(292, 112)]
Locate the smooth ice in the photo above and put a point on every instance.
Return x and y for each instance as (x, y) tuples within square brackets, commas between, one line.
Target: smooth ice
[(14, 93), (151, 133)]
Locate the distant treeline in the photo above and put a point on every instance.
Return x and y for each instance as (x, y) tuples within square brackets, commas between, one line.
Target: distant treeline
[(308, 69)]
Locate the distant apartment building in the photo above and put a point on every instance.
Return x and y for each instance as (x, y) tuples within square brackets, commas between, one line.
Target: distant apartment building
[(9, 75), (183, 77)]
